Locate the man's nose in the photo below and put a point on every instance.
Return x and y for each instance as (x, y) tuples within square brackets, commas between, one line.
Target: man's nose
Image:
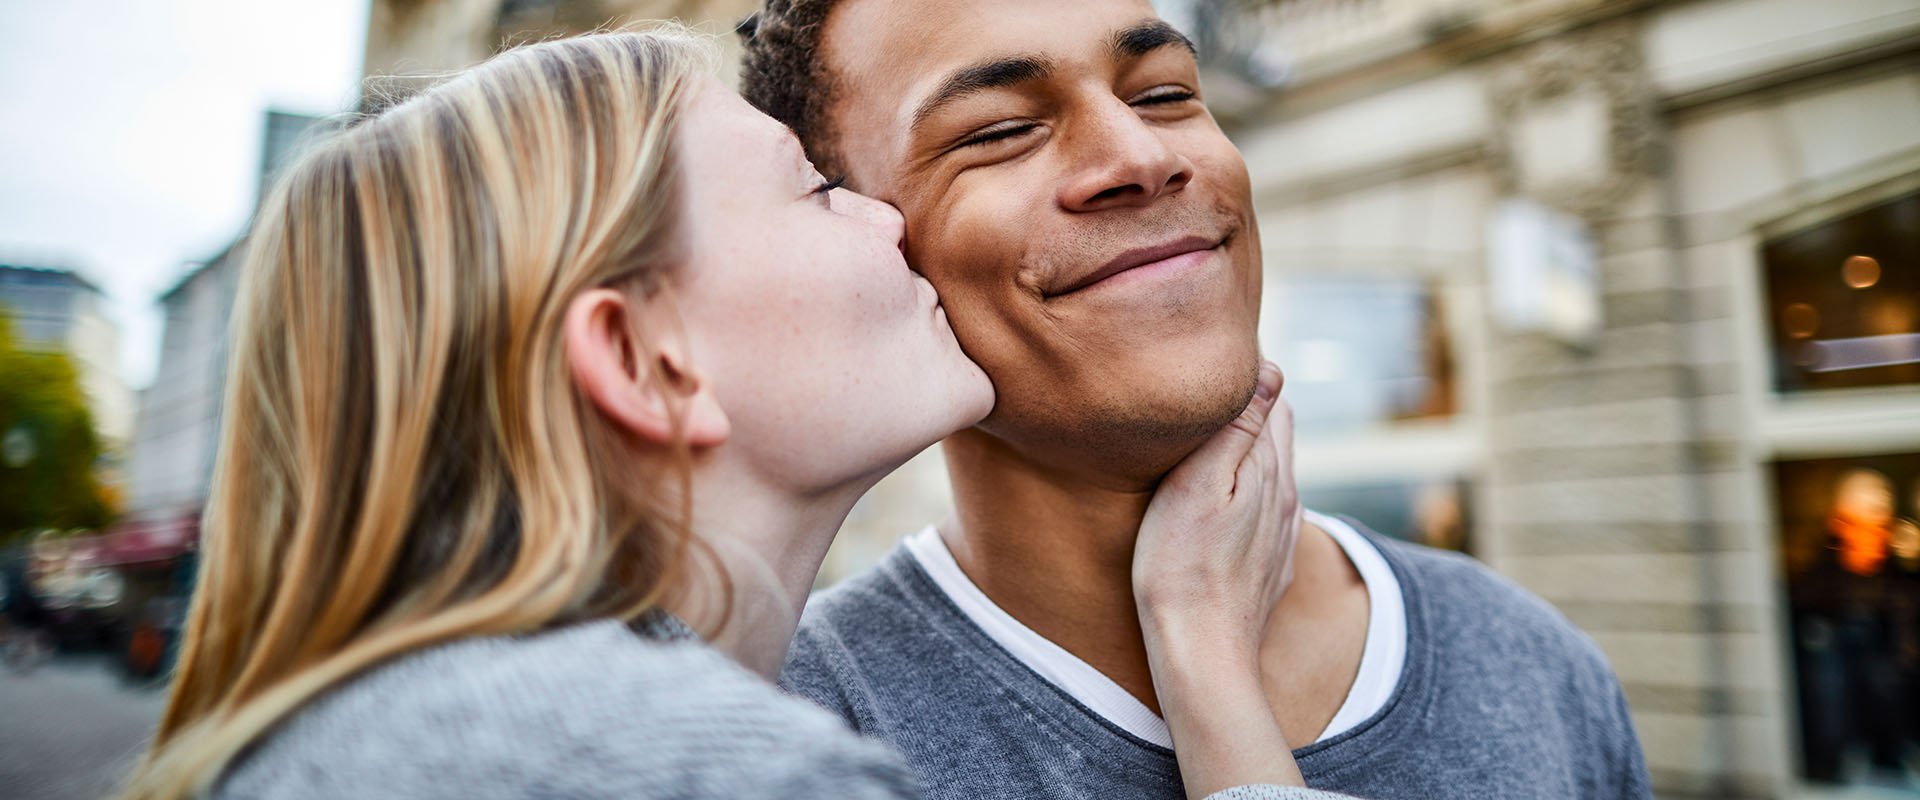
[(1121, 161)]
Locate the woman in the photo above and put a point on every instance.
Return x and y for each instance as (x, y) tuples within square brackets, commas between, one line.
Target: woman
[(501, 351)]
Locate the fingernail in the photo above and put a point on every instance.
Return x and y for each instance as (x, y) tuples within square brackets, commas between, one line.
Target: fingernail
[(1269, 384)]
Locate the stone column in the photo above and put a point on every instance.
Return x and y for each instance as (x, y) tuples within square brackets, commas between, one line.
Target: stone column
[(1603, 467)]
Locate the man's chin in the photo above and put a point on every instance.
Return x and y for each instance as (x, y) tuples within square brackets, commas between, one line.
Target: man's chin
[(1157, 441), (1195, 402), (1134, 439)]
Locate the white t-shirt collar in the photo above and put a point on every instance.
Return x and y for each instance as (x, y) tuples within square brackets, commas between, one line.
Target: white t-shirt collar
[(1381, 660)]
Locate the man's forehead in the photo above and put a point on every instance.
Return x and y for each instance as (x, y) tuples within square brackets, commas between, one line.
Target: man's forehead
[(896, 46)]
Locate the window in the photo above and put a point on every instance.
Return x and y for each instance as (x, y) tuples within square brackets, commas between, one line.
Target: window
[(1359, 353), (1843, 300), (1850, 547), (1433, 513)]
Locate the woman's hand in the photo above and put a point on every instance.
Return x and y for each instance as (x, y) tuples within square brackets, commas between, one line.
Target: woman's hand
[(1215, 549), (1214, 556)]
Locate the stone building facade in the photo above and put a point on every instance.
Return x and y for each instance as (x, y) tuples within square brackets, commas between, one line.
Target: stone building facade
[(1635, 469), (171, 463), (411, 40)]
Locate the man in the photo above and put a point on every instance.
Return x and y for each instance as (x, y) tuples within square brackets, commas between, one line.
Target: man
[(1092, 235)]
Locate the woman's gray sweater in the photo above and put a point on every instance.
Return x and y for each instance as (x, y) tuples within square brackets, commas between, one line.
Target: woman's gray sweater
[(596, 710)]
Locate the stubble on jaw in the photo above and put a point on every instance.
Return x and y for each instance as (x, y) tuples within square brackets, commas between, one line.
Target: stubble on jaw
[(1129, 445), (1141, 433)]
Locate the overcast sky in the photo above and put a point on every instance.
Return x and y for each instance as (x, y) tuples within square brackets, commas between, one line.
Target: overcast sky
[(130, 132)]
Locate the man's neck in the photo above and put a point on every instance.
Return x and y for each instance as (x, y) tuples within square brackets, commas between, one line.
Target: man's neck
[(1054, 549)]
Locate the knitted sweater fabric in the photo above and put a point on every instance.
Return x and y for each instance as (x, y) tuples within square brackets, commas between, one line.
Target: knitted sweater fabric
[(594, 710)]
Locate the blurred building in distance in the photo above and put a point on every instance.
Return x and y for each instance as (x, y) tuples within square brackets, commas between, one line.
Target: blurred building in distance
[(171, 460), (172, 457), (1619, 296), (410, 41), (58, 309)]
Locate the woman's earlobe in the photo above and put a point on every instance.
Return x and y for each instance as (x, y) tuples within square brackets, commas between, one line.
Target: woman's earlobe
[(638, 383), (706, 422), (609, 365)]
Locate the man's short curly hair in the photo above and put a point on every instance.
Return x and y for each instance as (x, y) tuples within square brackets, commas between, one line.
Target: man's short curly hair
[(784, 73)]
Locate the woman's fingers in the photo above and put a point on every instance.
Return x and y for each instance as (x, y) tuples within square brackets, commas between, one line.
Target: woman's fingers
[(1215, 533), (1222, 455), (1283, 504), (1268, 467), (1283, 434), (1258, 468), (1214, 557)]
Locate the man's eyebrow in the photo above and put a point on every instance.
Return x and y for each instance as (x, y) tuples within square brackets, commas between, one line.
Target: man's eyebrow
[(995, 74), (1147, 37)]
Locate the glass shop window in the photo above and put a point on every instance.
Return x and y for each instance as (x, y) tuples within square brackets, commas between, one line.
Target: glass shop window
[(1359, 353), (1434, 513), (1844, 300), (1850, 554)]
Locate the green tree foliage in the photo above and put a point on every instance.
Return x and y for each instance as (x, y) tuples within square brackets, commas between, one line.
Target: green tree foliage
[(48, 447)]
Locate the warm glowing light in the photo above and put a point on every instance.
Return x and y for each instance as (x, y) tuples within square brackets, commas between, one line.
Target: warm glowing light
[(1800, 321), (1860, 272)]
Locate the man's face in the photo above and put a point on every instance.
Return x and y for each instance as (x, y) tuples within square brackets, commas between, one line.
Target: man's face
[(1087, 224)]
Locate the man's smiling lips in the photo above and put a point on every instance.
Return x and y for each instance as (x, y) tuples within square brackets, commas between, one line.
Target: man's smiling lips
[(1169, 256)]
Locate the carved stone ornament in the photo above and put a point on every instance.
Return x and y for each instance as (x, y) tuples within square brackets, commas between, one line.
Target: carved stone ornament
[(1555, 85)]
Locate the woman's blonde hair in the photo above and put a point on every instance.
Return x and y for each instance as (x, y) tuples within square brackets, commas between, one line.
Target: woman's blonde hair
[(404, 459)]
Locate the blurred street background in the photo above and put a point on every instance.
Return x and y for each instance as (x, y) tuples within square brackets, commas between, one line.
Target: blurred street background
[(72, 728), (1621, 297)]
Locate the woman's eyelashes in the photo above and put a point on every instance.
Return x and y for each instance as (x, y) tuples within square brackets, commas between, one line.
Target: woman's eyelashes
[(825, 189)]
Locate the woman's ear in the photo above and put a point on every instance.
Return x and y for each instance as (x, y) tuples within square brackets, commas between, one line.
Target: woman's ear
[(636, 371)]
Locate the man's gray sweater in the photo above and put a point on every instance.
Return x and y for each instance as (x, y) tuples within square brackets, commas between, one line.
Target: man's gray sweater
[(1500, 697)]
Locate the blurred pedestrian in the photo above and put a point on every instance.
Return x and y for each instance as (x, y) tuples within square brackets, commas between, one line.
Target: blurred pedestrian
[(1846, 607), (24, 641), (1903, 596)]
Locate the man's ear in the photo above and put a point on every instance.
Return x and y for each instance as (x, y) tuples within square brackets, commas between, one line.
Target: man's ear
[(636, 370)]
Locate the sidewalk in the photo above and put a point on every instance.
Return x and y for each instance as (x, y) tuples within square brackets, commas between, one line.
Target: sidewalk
[(71, 729)]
